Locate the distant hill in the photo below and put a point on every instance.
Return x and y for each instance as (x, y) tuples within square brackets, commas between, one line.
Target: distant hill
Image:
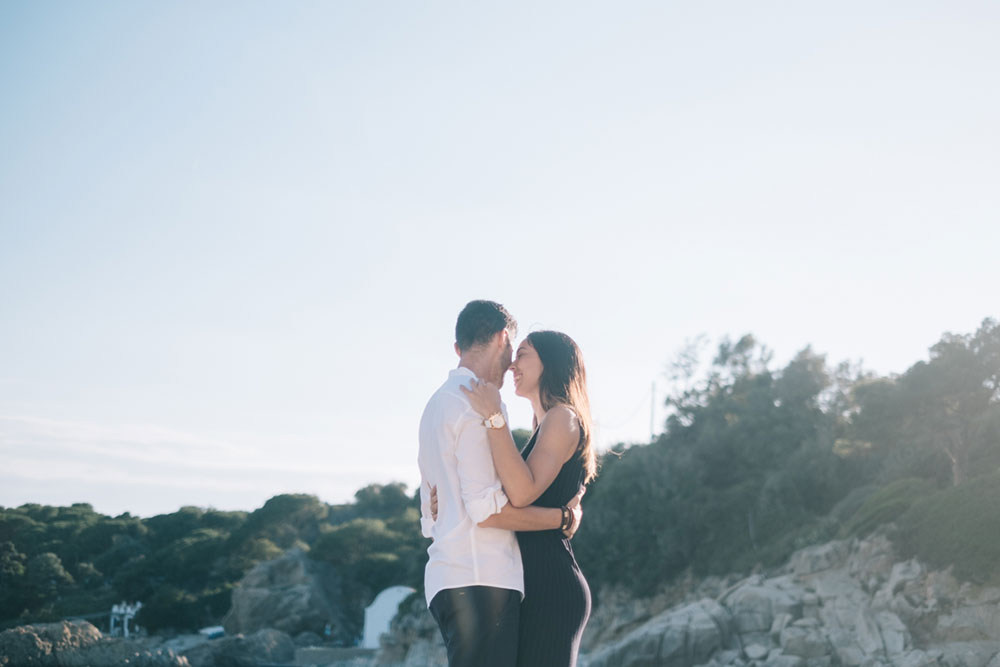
[(58, 562)]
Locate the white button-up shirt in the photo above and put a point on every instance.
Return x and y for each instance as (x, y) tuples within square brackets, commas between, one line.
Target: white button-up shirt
[(455, 457)]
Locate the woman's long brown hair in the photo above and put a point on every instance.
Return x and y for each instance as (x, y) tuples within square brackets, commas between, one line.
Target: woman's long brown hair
[(564, 382)]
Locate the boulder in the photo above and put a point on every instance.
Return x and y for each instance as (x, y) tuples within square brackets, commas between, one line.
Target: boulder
[(727, 657), (968, 654), (871, 561), (780, 622), (941, 588), (621, 612), (39, 644), (304, 639), (866, 632), (426, 653), (988, 595), (804, 642), (779, 659), (842, 597), (754, 607), (822, 557), (680, 637), (838, 584), (843, 604), (413, 638), (969, 623), (895, 636), (291, 593), (821, 661), (846, 649), (264, 646), (916, 659), (905, 578), (77, 644)]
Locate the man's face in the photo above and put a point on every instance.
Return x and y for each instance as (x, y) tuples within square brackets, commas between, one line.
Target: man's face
[(505, 358)]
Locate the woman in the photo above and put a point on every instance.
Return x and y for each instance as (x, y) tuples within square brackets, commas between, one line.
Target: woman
[(558, 459)]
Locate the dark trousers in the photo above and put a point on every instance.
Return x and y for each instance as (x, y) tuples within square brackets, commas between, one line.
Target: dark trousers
[(479, 625)]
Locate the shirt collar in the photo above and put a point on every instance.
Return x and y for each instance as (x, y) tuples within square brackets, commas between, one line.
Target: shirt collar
[(462, 370)]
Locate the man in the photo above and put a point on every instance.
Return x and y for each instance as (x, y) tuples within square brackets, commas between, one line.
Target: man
[(473, 581)]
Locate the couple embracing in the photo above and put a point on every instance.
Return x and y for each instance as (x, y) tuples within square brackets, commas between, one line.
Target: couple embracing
[(502, 582)]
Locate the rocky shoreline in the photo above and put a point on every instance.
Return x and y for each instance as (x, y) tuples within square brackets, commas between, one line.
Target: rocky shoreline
[(80, 644), (849, 603)]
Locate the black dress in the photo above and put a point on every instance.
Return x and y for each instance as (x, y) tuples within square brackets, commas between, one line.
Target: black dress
[(556, 596)]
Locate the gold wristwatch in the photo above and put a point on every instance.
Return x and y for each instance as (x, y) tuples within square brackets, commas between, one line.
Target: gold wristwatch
[(495, 421)]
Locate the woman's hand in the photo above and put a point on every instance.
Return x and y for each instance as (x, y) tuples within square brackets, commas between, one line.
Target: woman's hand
[(434, 503), (484, 397)]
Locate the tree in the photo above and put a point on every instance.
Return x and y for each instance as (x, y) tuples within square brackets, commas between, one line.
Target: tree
[(954, 393), (285, 519), (12, 580), (380, 501), (746, 466), (940, 411), (47, 577)]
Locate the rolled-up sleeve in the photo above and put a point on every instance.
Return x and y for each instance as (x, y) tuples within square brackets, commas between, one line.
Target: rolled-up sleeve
[(482, 493)]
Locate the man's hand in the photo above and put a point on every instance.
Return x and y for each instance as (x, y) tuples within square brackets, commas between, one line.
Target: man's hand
[(576, 511)]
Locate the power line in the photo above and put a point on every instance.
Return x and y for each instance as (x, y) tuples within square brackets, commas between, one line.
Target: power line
[(639, 406)]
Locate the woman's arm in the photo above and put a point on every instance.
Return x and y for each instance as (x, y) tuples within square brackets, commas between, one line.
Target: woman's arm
[(527, 518), (538, 518), (524, 518), (558, 435)]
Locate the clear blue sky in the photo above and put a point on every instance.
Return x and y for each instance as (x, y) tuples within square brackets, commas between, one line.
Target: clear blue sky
[(234, 237)]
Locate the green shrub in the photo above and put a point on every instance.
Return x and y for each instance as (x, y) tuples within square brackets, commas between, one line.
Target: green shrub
[(886, 505), (958, 526)]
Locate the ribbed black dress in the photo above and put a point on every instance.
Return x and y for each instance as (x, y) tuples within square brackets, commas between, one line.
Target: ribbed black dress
[(556, 596)]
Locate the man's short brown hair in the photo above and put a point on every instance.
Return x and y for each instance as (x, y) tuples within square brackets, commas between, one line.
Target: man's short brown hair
[(479, 321)]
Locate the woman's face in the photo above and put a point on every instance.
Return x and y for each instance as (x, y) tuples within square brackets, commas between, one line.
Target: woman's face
[(527, 370)]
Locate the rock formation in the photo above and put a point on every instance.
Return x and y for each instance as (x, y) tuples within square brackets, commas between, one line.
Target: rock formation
[(844, 603), (293, 594), (77, 644), (413, 638), (849, 603), (262, 647)]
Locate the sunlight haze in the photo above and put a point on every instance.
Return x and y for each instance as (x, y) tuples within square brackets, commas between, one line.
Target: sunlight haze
[(235, 237)]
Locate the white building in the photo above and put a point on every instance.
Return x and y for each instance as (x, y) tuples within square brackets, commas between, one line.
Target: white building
[(380, 612)]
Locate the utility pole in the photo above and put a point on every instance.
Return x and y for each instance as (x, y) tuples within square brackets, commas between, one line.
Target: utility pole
[(652, 407)]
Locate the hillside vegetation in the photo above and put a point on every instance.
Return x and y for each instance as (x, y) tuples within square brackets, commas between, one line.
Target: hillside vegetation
[(57, 562), (754, 462)]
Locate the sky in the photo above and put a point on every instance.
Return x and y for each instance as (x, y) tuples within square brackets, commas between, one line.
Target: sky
[(235, 236)]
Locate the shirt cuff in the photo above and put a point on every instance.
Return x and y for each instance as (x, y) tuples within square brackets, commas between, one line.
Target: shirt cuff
[(486, 504), (425, 526)]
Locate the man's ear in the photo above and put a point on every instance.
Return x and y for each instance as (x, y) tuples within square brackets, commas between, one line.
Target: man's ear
[(458, 350), (502, 338)]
